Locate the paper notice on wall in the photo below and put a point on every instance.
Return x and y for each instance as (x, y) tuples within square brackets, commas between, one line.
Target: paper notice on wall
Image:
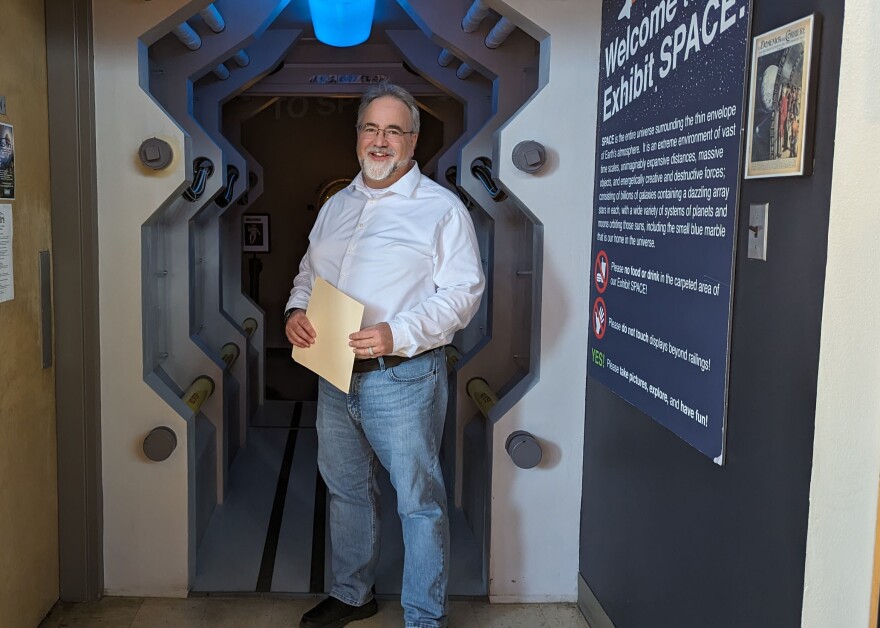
[(7, 288)]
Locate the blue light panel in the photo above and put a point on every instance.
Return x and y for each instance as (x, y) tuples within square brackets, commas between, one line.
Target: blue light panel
[(342, 22)]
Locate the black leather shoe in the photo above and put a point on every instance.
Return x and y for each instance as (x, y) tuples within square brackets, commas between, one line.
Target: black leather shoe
[(333, 613)]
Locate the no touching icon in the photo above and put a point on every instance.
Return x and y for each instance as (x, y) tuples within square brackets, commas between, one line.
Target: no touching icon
[(600, 318)]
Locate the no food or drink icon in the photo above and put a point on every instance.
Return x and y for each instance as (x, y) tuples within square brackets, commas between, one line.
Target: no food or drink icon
[(601, 271)]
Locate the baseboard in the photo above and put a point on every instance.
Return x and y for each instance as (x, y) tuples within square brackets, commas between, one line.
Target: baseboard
[(531, 599), (590, 607)]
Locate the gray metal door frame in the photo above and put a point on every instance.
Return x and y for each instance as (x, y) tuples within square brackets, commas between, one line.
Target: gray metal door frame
[(75, 277)]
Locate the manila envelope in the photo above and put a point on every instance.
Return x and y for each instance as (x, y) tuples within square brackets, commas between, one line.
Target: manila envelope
[(334, 315)]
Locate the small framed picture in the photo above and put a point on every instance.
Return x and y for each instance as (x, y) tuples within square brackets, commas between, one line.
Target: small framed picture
[(255, 233), (781, 101), (7, 163)]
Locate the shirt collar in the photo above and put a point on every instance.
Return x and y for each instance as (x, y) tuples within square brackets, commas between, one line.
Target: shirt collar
[(405, 186)]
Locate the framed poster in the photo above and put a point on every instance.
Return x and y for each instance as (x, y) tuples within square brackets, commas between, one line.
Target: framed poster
[(7, 162), (779, 131), (255, 233)]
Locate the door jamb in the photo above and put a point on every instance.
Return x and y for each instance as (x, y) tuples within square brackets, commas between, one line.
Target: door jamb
[(75, 280)]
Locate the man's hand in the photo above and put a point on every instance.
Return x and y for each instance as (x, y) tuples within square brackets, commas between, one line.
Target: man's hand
[(376, 337), (299, 330)]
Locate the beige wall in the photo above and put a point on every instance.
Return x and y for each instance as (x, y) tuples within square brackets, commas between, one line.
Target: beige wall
[(846, 446), (28, 484)]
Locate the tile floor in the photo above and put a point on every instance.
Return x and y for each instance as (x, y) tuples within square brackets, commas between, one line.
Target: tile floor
[(278, 612)]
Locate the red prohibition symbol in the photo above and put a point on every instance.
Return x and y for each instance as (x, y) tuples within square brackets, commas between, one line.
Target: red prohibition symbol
[(600, 318), (601, 271)]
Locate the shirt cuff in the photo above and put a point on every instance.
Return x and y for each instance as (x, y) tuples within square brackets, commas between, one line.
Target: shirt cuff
[(399, 339)]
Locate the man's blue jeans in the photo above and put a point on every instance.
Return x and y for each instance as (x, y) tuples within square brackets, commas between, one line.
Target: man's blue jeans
[(395, 417)]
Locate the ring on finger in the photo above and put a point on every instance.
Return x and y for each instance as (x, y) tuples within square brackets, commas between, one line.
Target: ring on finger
[(370, 349)]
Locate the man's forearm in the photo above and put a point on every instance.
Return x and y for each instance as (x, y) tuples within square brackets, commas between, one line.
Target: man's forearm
[(433, 322)]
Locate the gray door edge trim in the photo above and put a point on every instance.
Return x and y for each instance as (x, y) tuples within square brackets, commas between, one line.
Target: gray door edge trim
[(72, 164), (590, 606)]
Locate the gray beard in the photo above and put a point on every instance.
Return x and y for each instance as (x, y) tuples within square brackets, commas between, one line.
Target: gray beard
[(377, 171)]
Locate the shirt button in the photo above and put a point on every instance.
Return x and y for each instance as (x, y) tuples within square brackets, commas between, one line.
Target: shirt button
[(360, 225)]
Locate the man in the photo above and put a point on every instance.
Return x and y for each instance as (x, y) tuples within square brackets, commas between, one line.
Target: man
[(795, 129), (782, 119), (404, 247)]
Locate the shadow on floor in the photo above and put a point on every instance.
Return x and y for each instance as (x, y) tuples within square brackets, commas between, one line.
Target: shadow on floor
[(278, 612), (285, 379)]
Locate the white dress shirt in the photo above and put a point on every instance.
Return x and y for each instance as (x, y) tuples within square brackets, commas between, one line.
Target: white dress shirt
[(407, 252)]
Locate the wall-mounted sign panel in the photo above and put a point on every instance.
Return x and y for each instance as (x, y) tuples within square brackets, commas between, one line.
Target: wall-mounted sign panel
[(668, 154)]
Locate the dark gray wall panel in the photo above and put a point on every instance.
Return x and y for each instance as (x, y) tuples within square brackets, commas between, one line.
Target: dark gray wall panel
[(668, 539)]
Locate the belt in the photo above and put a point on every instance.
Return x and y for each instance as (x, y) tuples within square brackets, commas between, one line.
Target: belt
[(372, 364)]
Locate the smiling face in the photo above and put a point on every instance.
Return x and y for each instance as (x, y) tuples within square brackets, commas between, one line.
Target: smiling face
[(385, 160)]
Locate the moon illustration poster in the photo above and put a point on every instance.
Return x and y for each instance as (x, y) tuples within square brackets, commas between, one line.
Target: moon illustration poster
[(779, 100)]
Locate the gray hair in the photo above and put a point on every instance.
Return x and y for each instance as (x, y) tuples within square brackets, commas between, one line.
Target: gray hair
[(395, 91)]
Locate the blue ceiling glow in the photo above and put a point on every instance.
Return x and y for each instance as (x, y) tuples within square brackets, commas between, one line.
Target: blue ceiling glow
[(342, 22)]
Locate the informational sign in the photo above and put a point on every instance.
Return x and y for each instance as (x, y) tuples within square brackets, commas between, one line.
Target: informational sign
[(7, 284), (668, 154), (7, 162)]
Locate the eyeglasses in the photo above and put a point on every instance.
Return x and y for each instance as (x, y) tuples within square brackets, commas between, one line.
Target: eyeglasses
[(390, 133)]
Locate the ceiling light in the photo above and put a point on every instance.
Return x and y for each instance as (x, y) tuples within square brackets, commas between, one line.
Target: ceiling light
[(342, 22)]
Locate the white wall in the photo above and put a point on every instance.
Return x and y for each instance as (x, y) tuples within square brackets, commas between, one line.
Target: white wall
[(145, 503), (536, 513), (846, 456)]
